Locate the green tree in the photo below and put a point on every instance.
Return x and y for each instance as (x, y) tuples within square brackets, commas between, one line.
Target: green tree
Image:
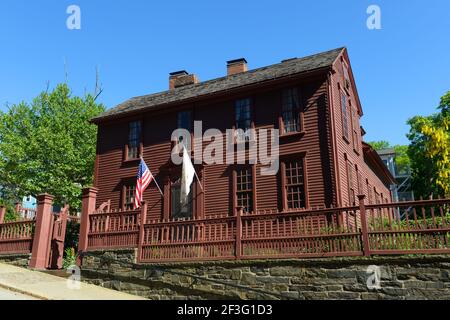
[(49, 146), (430, 151), (379, 145)]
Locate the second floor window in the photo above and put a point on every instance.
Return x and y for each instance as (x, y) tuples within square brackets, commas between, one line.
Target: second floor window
[(134, 139), (355, 127), (344, 116), (291, 111), (295, 184), (244, 192), (243, 114), (184, 120)]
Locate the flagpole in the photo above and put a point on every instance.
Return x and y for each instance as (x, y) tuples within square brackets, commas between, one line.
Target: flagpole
[(195, 172), (201, 187), (162, 194), (154, 179)]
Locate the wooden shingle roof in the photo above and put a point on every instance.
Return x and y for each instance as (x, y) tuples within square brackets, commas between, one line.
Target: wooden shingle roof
[(287, 68)]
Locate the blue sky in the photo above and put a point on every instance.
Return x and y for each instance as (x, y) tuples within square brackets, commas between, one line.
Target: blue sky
[(401, 70)]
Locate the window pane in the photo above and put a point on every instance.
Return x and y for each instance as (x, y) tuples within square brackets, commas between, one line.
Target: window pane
[(134, 139), (295, 189), (290, 110), (344, 115), (178, 211), (243, 114), (244, 192), (129, 197), (184, 120)]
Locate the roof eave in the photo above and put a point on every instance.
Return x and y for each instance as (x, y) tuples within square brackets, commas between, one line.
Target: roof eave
[(370, 151), (125, 114)]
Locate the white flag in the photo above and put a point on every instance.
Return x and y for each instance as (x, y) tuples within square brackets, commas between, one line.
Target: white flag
[(187, 176)]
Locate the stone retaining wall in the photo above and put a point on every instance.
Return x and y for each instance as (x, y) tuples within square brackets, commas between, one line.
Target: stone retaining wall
[(20, 260), (404, 277)]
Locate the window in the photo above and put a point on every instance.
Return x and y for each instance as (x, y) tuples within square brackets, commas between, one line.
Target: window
[(351, 190), (177, 210), (129, 192), (359, 181), (377, 196), (355, 129), (369, 192), (344, 116), (184, 120), (244, 189), (346, 75), (134, 140), (295, 184), (243, 115), (291, 115)]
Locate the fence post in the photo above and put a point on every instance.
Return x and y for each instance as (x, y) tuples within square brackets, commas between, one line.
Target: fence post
[(17, 208), (143, 221), (2, 214), (239, 213), (364, 230), (88, 203), (42, 232)]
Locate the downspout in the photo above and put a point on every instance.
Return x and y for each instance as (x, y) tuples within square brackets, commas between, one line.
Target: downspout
[(334, 141)]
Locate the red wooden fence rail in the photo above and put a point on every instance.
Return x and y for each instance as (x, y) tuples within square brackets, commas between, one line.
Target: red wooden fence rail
[(16, 237), (392, 228)]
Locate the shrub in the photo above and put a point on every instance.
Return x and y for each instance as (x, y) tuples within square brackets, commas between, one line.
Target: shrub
[(70, 258)]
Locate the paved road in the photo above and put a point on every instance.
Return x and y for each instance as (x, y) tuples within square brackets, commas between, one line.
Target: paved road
[(10, 295), (46, 286)]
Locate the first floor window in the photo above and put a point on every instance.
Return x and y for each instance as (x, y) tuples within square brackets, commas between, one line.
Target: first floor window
[(179, 211), (350, 182), (244, 192), (295, 184), (134, 140), (128, 197), (369, 192)]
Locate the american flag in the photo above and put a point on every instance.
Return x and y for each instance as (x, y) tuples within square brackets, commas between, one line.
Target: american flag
[(144, 178)]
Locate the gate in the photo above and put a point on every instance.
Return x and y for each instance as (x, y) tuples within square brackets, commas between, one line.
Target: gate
[(41, 236), (56, 250)]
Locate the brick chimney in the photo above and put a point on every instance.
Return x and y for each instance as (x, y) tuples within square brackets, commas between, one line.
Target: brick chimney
[(236, 66), (181, 78)]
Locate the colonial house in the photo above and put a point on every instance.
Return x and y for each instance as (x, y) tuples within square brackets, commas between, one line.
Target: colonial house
[(313, 102)]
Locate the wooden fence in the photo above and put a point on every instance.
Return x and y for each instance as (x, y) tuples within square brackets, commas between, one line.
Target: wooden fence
[(420, 227), (38, 232), (16, 237)]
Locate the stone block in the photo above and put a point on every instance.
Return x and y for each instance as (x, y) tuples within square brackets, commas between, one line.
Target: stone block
[(248, 278), (341, 273), (344, 295)]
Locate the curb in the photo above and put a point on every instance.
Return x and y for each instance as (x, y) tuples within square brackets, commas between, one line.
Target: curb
[(13, 289)]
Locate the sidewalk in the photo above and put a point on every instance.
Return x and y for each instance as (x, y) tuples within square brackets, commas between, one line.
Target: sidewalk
[(47, 287)]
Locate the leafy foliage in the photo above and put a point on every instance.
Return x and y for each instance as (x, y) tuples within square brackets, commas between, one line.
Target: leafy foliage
[(379, 145), (72, 234), (430, 151), (70, 258), (11, 214), (48, 146)]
